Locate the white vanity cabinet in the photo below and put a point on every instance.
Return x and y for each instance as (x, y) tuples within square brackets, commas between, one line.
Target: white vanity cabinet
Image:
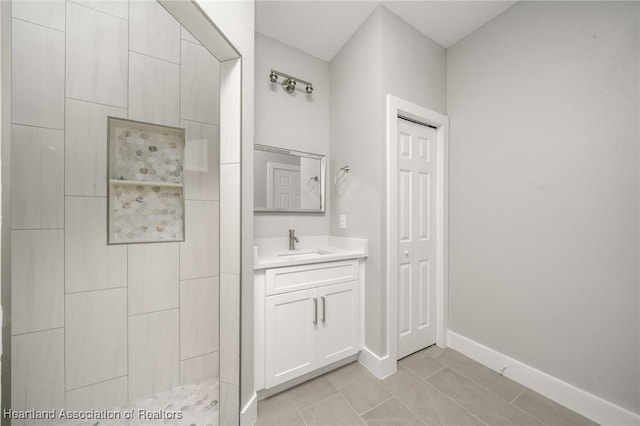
[(307, 317)]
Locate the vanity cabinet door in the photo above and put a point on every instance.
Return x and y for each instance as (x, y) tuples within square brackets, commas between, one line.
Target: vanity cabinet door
[(291, 338), (338, 321)]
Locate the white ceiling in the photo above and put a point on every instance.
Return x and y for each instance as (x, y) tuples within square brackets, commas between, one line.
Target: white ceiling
[(321, 28)]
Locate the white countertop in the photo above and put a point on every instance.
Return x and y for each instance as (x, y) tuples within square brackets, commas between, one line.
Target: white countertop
[(271, 251)]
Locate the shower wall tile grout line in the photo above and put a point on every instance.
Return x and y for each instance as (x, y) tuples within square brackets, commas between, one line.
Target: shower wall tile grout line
[(80, 245), (88, 6), (153, 57), (96, 103), (40, 25), (37, 331)]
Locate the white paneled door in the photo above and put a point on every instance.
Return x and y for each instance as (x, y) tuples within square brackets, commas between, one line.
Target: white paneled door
[(417, 237), (283, 186)]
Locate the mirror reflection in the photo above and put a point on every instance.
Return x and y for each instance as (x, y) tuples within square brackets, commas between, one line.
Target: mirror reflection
[(288, 181)]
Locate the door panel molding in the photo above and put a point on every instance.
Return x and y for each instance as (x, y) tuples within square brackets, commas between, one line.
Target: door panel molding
[(419, 248), (397, 107)]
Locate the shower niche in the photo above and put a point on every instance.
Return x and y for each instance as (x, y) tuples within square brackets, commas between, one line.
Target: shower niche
[(146, 184)]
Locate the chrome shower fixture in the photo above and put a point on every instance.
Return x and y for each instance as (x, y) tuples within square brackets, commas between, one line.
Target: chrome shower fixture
[(289, 82)]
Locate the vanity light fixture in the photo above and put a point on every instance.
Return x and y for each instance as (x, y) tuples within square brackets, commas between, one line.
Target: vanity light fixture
[(289, 83)]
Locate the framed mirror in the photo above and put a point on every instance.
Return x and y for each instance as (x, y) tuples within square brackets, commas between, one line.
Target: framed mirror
[(288, 181)]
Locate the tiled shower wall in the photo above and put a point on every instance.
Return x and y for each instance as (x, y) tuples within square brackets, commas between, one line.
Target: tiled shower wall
[(94, 325)]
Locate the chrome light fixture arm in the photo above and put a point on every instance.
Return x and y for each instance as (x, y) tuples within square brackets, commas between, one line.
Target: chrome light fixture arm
[(289, 82)]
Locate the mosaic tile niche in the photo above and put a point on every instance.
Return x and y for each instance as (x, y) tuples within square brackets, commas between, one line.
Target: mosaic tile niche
[(146, 190)]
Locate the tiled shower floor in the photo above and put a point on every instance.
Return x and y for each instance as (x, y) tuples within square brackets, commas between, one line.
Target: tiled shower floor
[(198, 404)]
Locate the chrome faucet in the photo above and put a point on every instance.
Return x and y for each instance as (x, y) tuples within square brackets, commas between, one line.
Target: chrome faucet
[(293, 239)]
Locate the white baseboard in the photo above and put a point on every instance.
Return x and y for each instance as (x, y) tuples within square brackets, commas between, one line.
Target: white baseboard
[(590, 406), (249, 413), (381, 367)]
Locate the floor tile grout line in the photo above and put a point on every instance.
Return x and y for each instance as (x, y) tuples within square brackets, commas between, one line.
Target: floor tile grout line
[(525, 411), (410, 371), (500, 397), (297, 408), (528, 413), (350, 405), (416, 373), (382, 403), (410, 410), (479, 384), (524, 388), (407, 407), (493, 393), (450, 399), (534, 417), (315, 403), (518, 395), (435, 372), (299, 411), (429, 349), (378, 381), (424, 380)]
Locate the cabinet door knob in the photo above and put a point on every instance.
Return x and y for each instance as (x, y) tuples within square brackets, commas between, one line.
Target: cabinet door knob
[(406, 253), (315, 310), (324, 302)]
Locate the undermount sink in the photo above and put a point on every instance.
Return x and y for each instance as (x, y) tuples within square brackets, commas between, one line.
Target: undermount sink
[(302, 252)]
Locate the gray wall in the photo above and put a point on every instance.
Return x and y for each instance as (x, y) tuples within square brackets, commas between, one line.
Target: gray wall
[(543, 103), (385, 56), (413, 65), (355, 141), (297, 121)]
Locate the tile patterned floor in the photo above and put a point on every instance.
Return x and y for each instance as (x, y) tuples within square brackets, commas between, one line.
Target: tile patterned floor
[(432, 387), (198, 404)]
